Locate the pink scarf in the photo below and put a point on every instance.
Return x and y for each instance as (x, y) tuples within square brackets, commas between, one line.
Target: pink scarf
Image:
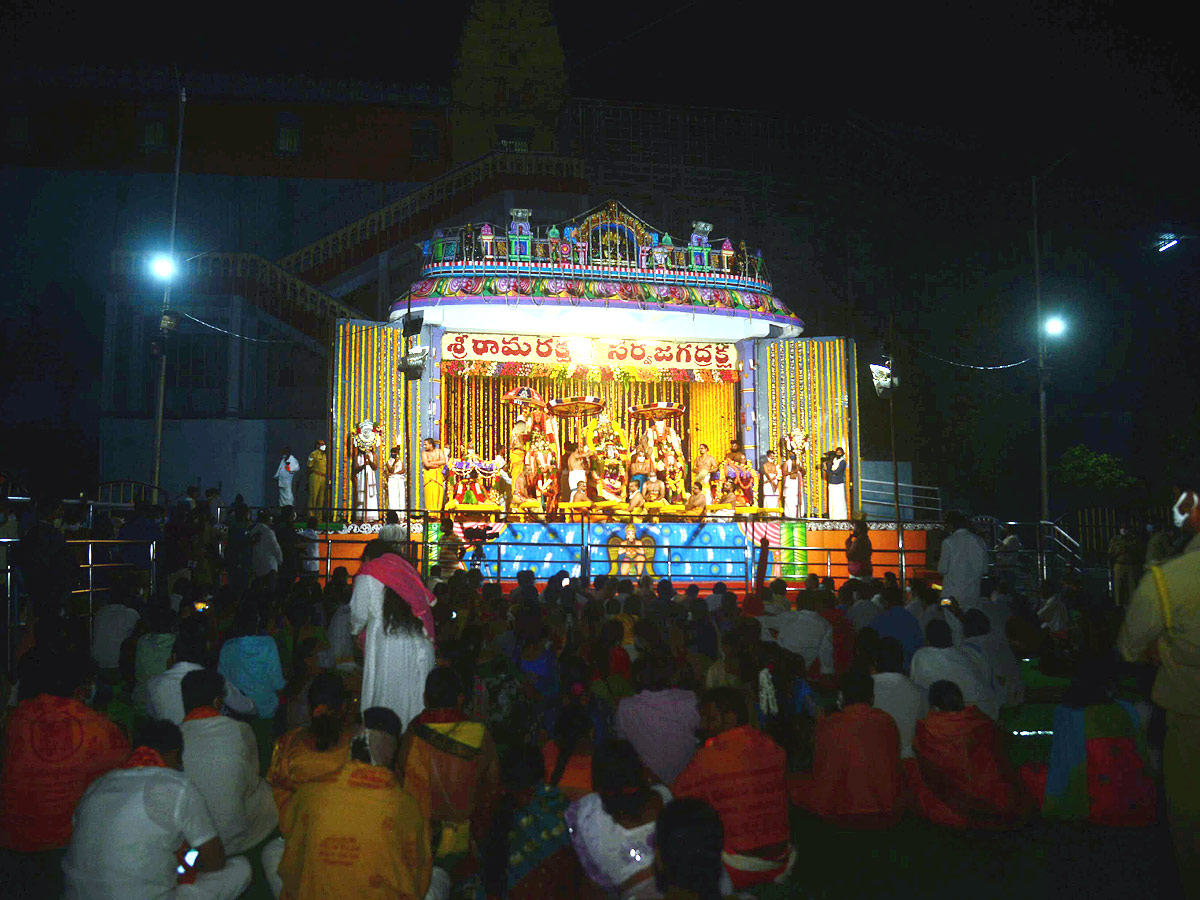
[(402, 578)]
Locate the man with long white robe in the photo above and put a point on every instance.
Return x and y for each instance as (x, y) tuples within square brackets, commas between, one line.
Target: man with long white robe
[(394, 664), (397, 482), (963, 563), (284, 472), (835, 475)]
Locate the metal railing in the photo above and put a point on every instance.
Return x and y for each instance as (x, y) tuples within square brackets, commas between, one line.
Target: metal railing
[(89, 563), (924, 502), (275, 290), (124, 494), (466, 177)]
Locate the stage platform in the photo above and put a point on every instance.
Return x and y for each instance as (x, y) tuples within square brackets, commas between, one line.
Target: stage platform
[(701, 552)]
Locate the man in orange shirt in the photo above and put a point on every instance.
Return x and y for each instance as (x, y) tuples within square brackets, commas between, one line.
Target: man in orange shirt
[(856, 781), (54, 747), (962, 777), (740, 772)]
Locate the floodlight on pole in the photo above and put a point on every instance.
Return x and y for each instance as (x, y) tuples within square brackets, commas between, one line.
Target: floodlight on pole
[(1055, 326), (162, 267)]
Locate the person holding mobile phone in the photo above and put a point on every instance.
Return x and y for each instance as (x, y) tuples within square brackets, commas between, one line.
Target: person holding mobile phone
[(131, 823)]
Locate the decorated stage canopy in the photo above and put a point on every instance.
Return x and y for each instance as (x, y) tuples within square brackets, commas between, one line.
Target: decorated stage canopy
[(609, 309)]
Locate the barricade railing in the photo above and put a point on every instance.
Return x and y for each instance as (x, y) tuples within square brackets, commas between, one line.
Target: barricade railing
[(90, 567), (923, 501), (90, 563)]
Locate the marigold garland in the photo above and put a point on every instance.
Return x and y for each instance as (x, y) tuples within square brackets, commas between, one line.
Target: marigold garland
[(623, 374)]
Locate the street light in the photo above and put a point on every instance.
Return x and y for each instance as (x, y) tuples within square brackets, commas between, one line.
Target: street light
[(1055, 326), (162, 267)]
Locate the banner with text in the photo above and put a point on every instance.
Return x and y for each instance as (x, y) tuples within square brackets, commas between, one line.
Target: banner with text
[(457, 345)]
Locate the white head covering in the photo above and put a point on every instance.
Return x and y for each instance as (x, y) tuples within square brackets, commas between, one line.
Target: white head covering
[(392, 533)]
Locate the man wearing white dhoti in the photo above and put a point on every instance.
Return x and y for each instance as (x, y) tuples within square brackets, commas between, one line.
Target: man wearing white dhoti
[(284, 472), (397, 482), (769, 477), (964, 561), (835, 476)]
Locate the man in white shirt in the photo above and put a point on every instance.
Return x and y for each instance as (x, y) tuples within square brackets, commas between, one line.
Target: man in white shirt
[(164, 692), (861, 609), (998, 607), (940, 660), (220, 756), (997, 659), (130, 823), (266, 555), (804, 632), (341, 643), (713, 600), (1053, 612), (895, 692), (310, 549), (284, 473), (114, 622), (963, 563)]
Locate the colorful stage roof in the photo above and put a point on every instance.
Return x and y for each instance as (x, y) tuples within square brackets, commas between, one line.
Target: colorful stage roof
[(606, 259)]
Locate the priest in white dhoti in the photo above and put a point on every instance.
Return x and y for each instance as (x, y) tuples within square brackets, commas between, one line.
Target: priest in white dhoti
[(397, 482), (284, 473), (362, 465), (769, 478), (835, 475)]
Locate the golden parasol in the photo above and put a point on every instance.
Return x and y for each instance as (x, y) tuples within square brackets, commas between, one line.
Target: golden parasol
[(663, 409), (571, 407)]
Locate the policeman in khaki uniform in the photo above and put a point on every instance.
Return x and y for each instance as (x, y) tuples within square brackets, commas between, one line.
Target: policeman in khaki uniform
[(1163, 622), (318, 467)]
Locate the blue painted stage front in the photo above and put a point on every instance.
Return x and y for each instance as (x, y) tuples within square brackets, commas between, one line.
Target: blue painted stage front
[(681, 551)]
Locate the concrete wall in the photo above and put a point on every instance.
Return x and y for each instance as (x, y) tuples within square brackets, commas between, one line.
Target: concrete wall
[(238, 455)]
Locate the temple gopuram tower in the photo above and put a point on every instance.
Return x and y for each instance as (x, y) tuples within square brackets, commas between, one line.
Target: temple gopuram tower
[(510, 80)]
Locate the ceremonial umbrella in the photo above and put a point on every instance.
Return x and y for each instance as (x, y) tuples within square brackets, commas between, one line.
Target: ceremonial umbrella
[(663, 409), (570, 407), (524, 396)]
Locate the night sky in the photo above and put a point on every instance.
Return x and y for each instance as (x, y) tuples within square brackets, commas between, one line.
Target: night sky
[(974, 99)]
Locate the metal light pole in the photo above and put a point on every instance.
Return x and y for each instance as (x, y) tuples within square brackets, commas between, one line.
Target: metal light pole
[(883, 376), (166, 323), (1041, 355)]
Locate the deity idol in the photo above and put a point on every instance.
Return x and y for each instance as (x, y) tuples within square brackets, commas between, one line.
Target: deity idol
[(660, 440), (363, 467), (613, 479)]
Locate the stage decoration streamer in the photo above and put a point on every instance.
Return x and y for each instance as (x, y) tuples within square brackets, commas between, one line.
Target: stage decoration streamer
[(367, 356)]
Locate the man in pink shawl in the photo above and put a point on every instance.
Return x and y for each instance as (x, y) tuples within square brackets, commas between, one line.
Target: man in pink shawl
[(395, 662)]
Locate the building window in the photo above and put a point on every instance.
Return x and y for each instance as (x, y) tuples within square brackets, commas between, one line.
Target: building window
[(424, 140), (287, 137), (154, 135), (513, 138)]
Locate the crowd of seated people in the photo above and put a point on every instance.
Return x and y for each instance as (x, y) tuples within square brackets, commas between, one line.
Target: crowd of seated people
[(607, 738)]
